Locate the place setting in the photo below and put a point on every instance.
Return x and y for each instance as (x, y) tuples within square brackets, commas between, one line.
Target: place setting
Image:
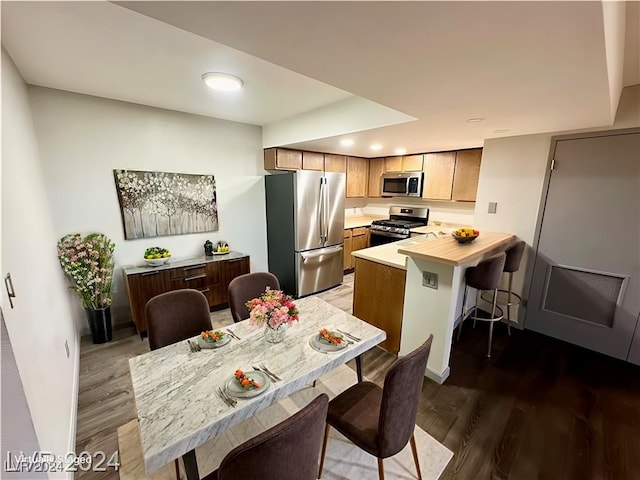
[(246, 384), (331, 341)]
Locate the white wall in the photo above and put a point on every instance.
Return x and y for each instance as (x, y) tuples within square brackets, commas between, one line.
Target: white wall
[(83, 138), (42, 320)]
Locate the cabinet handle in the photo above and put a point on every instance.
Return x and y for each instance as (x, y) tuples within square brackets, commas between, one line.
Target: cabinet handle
[(9, 286), (234, 260), (185, 269), (150, 273), (203, 290), (196, 277)]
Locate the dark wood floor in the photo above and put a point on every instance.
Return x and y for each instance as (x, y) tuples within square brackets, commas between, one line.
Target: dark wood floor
[(538, 409)]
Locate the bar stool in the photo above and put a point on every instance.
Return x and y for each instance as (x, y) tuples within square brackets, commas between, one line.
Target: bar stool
[(484, 276), (511, 264)]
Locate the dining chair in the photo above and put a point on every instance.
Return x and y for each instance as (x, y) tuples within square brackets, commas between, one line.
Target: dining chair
[(175, 316), (247, 287), (381, 420), (287, 451)]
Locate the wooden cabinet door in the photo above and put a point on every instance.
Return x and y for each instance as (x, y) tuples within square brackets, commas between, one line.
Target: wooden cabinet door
[(347, 247), (467, 173), (376, 169), (357, 176), (215, 290), (438, 175), (412, 163), (393, 164), (313, 161), (143, 287), (282, 159), (335, 163), (232, 269), (360, 239)]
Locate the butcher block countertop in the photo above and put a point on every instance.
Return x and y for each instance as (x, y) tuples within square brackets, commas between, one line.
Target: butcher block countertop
[(356, 221), (447, 250), (386, 254)]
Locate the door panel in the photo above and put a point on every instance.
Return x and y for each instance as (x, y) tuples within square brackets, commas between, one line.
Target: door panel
[(309, 221), (586, 279), (319, 269)]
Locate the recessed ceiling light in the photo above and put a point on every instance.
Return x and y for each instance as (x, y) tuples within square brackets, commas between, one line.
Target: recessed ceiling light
[(346, 142), (222, 81), (401, 151), (502, 130), (376, 146), (475, 120)]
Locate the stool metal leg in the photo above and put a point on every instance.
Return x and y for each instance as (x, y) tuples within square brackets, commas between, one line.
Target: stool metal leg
[(493, 315), (509, 303), (475, 310), (464, 304)]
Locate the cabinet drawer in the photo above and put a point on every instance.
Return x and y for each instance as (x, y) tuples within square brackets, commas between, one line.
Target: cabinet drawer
[(360, 231), (187, 272)]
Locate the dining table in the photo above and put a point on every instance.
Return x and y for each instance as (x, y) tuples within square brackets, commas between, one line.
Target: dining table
[(176, 389)]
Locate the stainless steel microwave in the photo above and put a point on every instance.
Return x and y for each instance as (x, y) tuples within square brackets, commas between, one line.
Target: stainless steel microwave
[(402, 184)]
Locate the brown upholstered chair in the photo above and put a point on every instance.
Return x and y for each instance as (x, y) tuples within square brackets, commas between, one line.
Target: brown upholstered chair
[(175, 316), (381, 420), (484, 276), (287, 451), (247, 287)]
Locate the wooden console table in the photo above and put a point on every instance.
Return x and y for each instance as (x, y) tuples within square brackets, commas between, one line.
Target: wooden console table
[(210, 275)]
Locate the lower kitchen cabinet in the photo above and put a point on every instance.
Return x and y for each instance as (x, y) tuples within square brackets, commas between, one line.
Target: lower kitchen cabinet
[(354, 239), (209, 275), (378, 299)]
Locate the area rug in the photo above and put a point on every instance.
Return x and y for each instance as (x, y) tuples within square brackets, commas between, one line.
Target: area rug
[(343, 460)]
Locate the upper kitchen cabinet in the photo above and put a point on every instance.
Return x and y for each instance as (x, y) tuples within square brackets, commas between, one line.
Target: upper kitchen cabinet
[(466, 175), (335, 163), (282, 159), (438, 175), (357, 177), (376, 169), (407, 163), (313, 161)]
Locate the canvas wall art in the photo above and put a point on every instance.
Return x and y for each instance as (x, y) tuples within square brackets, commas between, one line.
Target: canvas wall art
[(155, 204)]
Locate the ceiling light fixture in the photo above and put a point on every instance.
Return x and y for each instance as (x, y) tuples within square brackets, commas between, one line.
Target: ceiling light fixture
[(376, 146), (475, 120), (401, 151), (346, 142), (222, 81)]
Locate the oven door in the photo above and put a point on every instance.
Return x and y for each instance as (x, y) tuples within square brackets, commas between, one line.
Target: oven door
[(378, 237)]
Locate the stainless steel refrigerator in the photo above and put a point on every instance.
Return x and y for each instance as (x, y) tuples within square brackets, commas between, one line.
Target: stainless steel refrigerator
[(305, 229)]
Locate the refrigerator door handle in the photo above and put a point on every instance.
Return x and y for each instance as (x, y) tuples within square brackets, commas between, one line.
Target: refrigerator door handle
[(326, 211), (322, 209), (325, 251)]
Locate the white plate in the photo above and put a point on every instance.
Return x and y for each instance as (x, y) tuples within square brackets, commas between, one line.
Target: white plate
[(322, 345), (221, 253), (204, 344), (234, 389), (155, 262)]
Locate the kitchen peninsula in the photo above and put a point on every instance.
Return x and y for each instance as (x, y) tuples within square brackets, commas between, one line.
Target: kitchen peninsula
[(413, 288)]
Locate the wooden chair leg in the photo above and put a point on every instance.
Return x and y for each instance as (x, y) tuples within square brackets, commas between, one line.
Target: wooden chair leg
[(177, 469), (380, 469), (414, 450), (324, 449)]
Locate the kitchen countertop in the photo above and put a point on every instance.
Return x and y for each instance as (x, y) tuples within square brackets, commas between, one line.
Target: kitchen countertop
[(361, 220), (388, 254), (144, 268), (447, 250)]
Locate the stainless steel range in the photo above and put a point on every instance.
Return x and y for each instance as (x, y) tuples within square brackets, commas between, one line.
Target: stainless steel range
[(399, 224)]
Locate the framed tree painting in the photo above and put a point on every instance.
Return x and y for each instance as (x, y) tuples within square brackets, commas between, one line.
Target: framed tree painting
[(155, 204)]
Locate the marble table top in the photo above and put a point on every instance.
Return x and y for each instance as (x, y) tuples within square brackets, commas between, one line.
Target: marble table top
[(174, 389)]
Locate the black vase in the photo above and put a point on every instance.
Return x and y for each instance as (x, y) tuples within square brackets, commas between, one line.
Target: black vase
[(99, 324)]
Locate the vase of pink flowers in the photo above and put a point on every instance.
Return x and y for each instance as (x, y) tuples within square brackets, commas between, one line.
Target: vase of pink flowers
[(276, 311)]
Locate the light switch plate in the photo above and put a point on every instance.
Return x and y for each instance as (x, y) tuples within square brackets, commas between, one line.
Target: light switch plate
[(430, 279), (493, 207)]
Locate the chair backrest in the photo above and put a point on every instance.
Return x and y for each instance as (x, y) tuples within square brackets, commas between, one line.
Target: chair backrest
[(400, 397), (175, 316), (247, 287), (514, 256), (486, 275), (287, 451)]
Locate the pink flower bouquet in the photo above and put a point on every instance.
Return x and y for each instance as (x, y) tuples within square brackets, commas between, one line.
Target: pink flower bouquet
[(273, 308)]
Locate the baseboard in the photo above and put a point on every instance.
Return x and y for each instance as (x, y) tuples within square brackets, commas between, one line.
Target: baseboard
[(437, 376), (71, 447)]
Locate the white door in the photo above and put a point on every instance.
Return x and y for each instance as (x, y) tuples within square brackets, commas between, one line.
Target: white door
[(586, 280)]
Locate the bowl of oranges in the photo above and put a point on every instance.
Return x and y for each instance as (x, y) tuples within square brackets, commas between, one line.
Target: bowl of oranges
[(155, 256), (465, 235)]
